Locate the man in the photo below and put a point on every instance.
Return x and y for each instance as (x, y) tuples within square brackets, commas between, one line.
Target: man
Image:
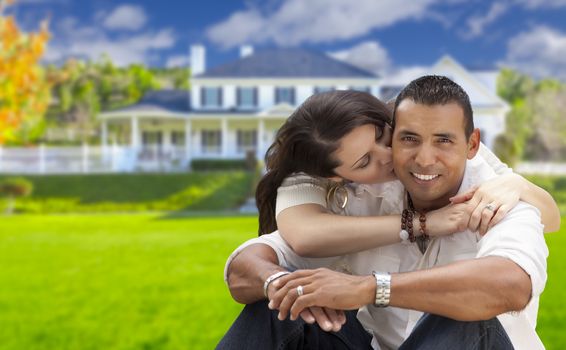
[(432, 141)]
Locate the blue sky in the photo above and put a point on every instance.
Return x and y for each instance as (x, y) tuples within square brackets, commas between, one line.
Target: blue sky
[(379, 35)]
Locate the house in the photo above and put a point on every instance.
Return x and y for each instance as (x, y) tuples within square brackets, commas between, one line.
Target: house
[(238, 107)]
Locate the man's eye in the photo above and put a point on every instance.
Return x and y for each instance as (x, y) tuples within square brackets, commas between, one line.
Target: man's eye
[(445, 140), (408, 139)]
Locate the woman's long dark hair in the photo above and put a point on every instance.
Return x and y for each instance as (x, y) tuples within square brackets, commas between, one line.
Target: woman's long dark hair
[(306, 141)]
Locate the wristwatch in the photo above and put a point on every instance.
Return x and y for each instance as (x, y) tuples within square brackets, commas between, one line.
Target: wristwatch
[(382, 289)]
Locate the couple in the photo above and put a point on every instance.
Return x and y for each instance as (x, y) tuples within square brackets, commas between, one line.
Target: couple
[(430, 259)]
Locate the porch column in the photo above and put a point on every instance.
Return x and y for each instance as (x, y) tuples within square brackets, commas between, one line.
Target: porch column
[(188, 141), (104, 134), (134, 139), (260, 146), (224, 137)]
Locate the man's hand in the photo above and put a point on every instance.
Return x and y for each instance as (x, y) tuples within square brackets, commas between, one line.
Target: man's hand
[(323, 288), (328, 319)]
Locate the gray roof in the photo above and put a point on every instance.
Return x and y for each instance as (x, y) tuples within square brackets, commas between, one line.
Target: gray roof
[(283, 63), (175, 101)]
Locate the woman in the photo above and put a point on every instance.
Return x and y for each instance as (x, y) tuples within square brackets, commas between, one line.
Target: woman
[(308, 174)]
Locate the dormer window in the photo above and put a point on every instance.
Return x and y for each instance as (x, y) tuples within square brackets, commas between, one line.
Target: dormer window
[(285, 95), (246, 97), (211, 97)]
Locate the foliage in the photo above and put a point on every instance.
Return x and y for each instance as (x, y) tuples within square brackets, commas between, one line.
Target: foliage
[(137, 192), (83, 89), (12, 188), (535, 126), (24, 88)]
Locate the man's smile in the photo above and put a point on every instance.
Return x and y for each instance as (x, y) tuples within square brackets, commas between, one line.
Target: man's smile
[(425, 177)]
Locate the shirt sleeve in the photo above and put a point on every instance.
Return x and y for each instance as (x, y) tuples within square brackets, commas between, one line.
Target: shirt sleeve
[(300, 189), (286, 257), (519, 237), (495, 163)]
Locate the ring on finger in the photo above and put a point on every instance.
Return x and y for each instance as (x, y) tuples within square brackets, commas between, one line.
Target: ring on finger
[(300, 290), (490, 207)]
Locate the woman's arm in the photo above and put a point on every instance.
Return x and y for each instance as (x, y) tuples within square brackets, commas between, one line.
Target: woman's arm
[(503, 193), (314, 232)]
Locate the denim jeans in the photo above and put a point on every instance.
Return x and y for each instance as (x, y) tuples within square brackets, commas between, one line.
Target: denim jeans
[(257, 328)]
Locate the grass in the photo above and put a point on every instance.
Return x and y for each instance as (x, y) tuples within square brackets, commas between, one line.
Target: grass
[(137, 192), (147, 281), (116, 281)]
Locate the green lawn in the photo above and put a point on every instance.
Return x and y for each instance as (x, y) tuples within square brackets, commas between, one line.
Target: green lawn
[(146, 281)]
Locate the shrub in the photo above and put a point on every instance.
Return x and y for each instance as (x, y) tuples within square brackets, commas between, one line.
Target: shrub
[(13, 188)]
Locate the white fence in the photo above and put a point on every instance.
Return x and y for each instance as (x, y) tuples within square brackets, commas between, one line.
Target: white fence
[(89, 159)]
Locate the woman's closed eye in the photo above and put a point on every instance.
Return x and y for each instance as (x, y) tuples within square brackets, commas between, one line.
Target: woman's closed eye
[(364, 163)]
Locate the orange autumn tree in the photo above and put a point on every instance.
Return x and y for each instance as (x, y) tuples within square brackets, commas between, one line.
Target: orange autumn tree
[(24, 89)]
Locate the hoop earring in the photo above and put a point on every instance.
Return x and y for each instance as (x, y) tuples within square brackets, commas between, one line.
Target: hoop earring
[(337, 195)]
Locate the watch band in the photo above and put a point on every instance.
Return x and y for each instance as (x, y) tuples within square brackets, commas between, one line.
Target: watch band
[(382, 289)]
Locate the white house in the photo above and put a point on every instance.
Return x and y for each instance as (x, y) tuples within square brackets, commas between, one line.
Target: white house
[(238, 107)]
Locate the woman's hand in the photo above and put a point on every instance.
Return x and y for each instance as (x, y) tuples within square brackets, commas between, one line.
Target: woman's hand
[(492, 200), (447, 220), (323, 288)]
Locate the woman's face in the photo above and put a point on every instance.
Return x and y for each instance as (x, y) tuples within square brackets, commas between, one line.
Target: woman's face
[(365, 155)]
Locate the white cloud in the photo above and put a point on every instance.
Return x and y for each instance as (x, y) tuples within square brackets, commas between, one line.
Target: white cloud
[(539, 52), (532, 4), (477, 24), (83, 41), (369, 55), (315, 21), (128, 17), (177, 61)]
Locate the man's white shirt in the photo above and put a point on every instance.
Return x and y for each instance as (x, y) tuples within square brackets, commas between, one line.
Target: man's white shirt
[(518, 237)]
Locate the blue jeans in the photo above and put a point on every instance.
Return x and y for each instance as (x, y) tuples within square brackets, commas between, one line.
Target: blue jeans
[(257, 328)]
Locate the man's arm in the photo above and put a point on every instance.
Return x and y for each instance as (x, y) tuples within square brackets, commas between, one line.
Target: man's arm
[(470, 290), (248, 271)]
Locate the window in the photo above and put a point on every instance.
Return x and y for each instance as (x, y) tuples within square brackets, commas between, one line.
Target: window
[(285, 94), (211, 97), (211, 141), (246, 97), (151, 138), (178, 138), (246, 140), (320, 89)]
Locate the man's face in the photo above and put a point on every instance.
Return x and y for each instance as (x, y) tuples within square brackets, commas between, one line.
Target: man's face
[(430, 150)]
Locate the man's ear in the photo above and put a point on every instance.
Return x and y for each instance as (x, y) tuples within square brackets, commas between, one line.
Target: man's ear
[(474, 143)]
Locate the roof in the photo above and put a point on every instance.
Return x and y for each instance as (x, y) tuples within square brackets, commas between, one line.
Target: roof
[(175, 101), (287, 63)]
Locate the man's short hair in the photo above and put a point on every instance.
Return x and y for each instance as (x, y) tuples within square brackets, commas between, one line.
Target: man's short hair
[(433, 90)]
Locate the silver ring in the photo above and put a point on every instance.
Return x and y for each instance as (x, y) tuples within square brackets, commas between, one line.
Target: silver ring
[(490, 207), (300, 290)]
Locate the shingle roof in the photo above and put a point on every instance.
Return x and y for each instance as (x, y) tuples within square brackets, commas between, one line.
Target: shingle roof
[(292, 63), (176, 101)]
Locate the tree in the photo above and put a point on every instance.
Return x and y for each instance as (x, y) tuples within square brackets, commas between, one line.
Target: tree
[(536, 125), (24, 88)]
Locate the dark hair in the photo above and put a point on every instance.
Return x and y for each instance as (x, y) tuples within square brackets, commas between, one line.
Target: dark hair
[(308, 138), (438, 90)]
